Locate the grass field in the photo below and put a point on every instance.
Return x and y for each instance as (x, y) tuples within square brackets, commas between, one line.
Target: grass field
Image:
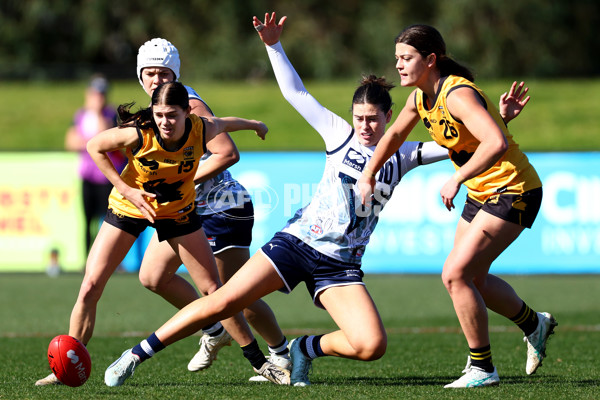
[(425, 351), (560, 117)]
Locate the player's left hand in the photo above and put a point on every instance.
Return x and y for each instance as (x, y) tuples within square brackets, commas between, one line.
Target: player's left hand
[(512, 102), (269, 31)]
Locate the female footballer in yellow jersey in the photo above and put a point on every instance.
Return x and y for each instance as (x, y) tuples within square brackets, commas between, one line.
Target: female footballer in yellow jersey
[(164, 144), (227, 225), (504, 194), (164, 169), (512, 173)]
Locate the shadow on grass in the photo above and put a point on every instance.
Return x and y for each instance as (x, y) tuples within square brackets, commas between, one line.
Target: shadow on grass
[(403, 381)]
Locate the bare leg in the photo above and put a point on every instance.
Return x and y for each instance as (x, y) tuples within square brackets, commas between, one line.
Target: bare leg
[(158, 273), (476, 246), (259, 315), (107, 252), (361, 335), (255, 279)]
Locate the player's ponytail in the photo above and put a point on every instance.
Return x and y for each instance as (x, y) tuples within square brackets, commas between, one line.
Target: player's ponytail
[(374, 90), (170, 94), (141, 118), (427, 40)]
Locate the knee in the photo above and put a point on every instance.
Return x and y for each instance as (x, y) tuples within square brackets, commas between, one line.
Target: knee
[(452, 278), (225, 303), (372, 349), (447, 280), (150, 282)]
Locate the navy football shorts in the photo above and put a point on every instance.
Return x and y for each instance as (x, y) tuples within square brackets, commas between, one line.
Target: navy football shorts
[(228, 229), (296, 262)]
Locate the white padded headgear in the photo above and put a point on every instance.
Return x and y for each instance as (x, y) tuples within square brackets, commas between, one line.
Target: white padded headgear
[(158, 53)]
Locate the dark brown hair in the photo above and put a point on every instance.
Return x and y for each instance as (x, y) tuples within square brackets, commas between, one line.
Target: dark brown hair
[(374, 90), (170, 94), (427, 40)]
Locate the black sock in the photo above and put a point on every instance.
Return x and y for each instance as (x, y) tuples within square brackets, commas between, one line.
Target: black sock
[(526, 319), (148, 347), (254, 355), (481, 357)]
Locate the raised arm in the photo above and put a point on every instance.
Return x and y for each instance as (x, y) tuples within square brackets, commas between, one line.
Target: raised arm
[(273, 30), (512, 102), (332, 128)]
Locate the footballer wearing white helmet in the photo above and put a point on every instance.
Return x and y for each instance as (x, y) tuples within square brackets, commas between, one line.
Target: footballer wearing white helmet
[(158, 53)]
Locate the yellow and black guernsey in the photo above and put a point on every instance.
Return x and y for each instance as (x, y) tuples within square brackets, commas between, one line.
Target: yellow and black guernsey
[(167, 173), (511, 174)]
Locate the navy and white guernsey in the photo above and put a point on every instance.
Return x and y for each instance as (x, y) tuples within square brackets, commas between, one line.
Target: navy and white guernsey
[(334, 222), (221, 192)]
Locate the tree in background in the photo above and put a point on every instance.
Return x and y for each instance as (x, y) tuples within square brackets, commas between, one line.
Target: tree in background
[(66, 39)]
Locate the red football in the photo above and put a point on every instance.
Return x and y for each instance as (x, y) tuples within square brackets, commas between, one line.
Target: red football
[(69, 360)]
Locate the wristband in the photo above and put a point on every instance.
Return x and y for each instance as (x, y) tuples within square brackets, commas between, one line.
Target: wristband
[(368, 173)]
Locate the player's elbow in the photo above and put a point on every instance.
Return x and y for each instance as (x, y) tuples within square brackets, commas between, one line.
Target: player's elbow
[(91, 147), (502, 146), (234, 157), (229, 157), (496, 148)]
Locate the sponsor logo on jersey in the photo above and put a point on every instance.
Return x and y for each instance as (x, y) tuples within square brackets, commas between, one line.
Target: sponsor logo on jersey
[(168, 161), (188, 153), (354, 160), (152, 165), (316, 229)]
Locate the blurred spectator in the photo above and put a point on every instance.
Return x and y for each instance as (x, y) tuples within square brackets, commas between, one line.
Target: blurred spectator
[(53, 269), (95, 116)]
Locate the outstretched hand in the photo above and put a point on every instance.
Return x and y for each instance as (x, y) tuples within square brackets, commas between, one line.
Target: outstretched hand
[(269, 31), (513, 102)]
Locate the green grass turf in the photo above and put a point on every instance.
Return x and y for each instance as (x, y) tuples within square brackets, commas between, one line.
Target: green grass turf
[(425, 347), (560, 117)]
